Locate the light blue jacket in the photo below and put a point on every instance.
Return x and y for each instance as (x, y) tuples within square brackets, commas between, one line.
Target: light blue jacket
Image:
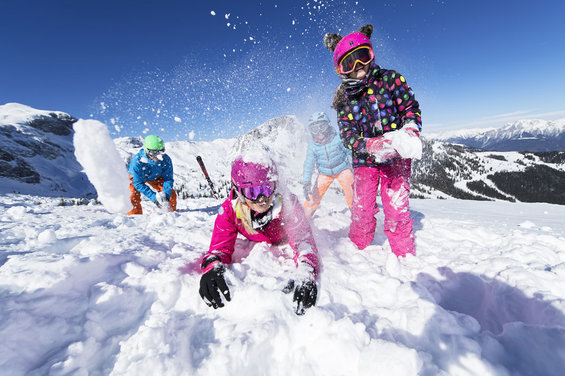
[(143, 169), (329, 158)]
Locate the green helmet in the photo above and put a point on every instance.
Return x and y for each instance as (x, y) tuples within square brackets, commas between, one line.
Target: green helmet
[(153, 142)]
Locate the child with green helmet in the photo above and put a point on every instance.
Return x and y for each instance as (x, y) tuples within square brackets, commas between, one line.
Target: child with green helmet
[(151, 167)]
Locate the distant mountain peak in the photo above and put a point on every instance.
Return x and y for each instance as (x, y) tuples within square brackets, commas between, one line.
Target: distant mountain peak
[(534, 135)]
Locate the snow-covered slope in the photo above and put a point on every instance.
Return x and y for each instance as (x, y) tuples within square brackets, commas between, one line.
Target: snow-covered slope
[(36, 153), (450, 170), (523, 135), (87, 292)]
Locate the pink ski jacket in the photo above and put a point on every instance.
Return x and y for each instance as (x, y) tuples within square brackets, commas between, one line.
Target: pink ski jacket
[(289, 224)]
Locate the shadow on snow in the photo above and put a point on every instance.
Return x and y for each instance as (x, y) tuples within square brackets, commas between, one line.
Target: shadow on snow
[(525, 335)]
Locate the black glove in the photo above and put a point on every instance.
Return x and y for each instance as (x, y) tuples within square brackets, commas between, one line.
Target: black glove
[(305, 295), (212, 283), (307, 187)]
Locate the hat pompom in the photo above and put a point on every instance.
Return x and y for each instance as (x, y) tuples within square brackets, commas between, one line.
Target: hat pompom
[(331, 40)]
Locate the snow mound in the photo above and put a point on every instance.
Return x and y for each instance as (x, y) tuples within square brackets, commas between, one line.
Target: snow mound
[(96, 152)]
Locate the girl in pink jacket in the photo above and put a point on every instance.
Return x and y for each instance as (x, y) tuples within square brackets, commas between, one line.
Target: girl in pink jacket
[(258, 210), (380, 121)]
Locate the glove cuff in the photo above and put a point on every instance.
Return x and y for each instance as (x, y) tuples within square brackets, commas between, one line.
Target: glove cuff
[(209, 263), (376, 144), (411, 126)]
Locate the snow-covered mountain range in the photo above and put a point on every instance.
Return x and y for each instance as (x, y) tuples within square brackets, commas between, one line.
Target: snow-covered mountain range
[(446, 170), (522, 135), (36, 154)]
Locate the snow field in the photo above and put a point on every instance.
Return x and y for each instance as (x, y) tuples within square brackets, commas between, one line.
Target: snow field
[(89, 292)]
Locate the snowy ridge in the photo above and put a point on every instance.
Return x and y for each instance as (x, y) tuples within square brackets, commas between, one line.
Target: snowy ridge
[(16, 114), (528, 134), (461, 133)]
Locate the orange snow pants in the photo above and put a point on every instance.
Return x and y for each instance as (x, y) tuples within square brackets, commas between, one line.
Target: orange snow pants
[(345, 179), (135, 196)]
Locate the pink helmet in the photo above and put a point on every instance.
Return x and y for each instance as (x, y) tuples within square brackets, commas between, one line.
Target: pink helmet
[(348, 43), (248, 174)]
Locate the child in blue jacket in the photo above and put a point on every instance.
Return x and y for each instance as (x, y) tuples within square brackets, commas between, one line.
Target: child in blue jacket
[(327, 153), (152, 167)]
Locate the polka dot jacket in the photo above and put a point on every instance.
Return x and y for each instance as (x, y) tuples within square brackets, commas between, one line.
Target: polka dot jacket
[(384, 103)]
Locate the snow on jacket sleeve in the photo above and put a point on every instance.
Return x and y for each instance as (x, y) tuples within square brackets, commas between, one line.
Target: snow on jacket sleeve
[(167, 176), (300, 235), (224, 233), (309, 163)]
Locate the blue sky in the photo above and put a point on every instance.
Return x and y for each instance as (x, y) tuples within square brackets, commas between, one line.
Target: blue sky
[(205, 70)]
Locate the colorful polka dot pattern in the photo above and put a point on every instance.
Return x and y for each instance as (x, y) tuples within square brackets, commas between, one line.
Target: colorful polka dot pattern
[(384, 106)]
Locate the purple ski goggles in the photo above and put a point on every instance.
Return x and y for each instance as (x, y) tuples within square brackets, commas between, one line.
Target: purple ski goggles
[(252, 193)]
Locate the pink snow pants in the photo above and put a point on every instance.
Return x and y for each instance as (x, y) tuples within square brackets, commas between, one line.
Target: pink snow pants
[(395, 189)]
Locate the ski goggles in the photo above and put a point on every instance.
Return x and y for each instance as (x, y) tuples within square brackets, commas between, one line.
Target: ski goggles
[(318, 127), (363, 55), (154, 153), (252, 193)]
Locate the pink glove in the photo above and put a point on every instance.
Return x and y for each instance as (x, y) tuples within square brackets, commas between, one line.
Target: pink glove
[(382, 149)]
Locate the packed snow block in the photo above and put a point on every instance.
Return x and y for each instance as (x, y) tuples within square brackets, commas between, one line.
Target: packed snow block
[(96, 152)]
